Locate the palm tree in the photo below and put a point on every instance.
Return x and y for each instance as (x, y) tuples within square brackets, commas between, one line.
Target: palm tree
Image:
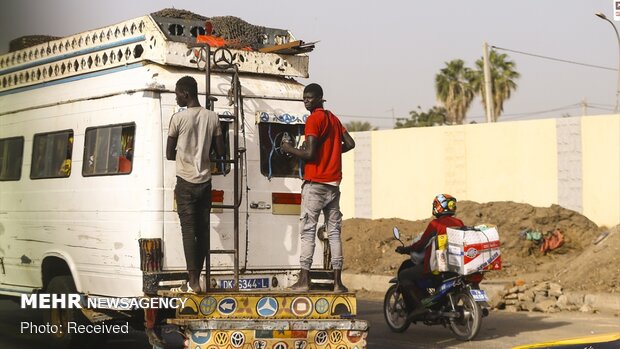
[(435, 116), (503, 76), (454, 91)]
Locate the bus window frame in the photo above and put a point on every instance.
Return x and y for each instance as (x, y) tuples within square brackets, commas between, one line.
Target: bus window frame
[(11, 162), (71, 135), (85, 154)]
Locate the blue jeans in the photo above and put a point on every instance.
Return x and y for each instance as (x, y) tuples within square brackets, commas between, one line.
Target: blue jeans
[(317, 198), (194, 209)]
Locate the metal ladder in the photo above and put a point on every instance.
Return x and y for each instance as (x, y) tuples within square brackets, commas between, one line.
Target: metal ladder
[(223, 64)]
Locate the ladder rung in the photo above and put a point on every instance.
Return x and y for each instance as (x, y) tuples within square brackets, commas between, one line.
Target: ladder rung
[(218, 161), (222, 206), (322, 274), (222, 251)]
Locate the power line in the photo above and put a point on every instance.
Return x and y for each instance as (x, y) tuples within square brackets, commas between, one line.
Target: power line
[(566, 107), (599, 108), (554, 59), (601, 104), (387, 118), (518, 115)]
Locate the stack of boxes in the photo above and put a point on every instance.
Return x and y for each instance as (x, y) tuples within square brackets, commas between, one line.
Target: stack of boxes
[(470, 250)]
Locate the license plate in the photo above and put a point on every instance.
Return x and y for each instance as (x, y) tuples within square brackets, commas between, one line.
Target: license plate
[(246, 284), (479, 295)]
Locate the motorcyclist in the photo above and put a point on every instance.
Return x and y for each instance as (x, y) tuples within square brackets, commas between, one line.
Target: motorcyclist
[(444, 209)]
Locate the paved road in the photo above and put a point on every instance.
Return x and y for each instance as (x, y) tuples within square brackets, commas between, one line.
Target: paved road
[(499, 330)]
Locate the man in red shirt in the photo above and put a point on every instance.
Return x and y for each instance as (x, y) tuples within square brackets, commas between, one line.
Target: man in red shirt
[(444, 208), (326, 140)]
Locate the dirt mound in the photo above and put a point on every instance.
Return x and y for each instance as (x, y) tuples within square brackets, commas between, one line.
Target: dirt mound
[(577, 265)]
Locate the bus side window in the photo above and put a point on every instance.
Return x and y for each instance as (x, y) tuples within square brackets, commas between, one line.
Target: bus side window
[(11, 156), (51, 155), (108, 150)]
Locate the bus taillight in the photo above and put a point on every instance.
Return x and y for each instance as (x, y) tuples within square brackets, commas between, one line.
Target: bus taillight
[(286, 203), (286, 198)]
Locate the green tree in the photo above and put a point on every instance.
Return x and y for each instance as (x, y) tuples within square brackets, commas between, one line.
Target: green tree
[(503, 77), (358, 126), (454, 90), (433, 117)]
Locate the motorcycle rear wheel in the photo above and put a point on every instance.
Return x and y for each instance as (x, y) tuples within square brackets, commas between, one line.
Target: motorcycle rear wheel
[(466, 327), (395, 311)]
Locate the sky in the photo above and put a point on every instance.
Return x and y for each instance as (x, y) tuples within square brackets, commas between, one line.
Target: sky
[(377, 60)]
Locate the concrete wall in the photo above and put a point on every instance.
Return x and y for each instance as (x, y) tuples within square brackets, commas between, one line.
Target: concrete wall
[(573, 162), (600, 139)]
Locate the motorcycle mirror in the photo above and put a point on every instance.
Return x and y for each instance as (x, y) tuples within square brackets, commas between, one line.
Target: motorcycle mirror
[(396, 233)]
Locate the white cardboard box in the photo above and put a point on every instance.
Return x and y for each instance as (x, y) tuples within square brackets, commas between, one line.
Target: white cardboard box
[(471, 250)]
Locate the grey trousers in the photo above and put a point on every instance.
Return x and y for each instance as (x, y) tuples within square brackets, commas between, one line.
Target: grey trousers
[(317, 198)]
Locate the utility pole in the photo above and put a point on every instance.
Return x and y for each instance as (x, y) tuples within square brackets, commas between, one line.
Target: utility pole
[(393, 118), (488, 86), (584, 107), (603, 17)]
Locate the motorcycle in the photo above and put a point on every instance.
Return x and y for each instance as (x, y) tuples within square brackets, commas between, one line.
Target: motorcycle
[(452, 300)]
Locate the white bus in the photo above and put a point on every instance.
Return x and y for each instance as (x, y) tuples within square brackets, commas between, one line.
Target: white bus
[(86, 194)]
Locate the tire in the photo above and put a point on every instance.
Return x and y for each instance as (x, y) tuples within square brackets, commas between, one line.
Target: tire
[(466, 327), (63, 284), (395, 311)]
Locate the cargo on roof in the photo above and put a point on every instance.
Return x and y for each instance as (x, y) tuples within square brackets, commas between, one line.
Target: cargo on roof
[(160, 39)]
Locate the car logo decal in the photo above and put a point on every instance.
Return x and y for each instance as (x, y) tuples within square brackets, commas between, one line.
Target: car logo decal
[(321, 306), (267, 306), (320, 338), (335, 336), (208, 305), (221, 338), (237, 339)]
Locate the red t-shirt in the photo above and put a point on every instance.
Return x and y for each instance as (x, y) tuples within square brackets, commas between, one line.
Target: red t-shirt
[(327, 130), (436, 226)]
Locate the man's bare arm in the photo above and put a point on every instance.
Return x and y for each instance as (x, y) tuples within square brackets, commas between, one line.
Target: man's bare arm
[(348, 142), (171, 148), (220, 149), (306, 153)]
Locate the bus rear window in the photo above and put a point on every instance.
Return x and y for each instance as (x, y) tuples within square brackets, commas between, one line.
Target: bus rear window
[(11, 156), (220, 168), (51, 155), (108, 150), (274, 163)]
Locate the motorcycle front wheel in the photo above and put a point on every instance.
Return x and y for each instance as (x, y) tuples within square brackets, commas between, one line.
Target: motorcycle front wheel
[(467, 325), (394, 310)]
